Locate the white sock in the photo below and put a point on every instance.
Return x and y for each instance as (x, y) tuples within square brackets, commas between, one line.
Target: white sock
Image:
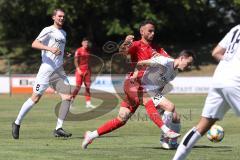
[(63, 111), (59, 123), (167, 118), (188, 141), (24, 110), (88, 102), (94, 134), (164, 128)]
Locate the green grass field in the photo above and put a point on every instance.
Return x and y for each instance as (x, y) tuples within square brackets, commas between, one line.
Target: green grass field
[(139, 139)]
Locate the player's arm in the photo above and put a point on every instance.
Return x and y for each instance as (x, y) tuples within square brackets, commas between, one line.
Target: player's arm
[(76, 62), (145, 63), (38, 45), (140, 64), (124, 47), (218, 52)]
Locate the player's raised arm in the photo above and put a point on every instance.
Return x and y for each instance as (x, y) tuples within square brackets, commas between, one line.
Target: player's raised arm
[(123, 49), (218, 52)]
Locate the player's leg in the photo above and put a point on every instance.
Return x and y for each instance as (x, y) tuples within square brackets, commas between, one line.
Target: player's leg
[(38, 90), (156, 117), (175, 125), (232, 97), (215, 108), (170, 118), (64, 89), (79, 81), (63, 111), (123, 116), (192, 136), (87, 94)]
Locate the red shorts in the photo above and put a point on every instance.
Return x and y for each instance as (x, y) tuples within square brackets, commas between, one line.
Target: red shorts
[(133, 95), (84, 77)]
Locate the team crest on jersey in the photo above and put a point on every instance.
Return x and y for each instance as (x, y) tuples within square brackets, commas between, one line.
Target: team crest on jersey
[(59, 41)]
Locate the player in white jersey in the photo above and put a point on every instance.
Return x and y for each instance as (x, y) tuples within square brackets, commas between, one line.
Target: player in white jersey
[(223, 94), (160, 71), (51, 41)]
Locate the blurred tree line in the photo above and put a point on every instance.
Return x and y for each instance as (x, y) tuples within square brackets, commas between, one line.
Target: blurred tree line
[(180, 24)]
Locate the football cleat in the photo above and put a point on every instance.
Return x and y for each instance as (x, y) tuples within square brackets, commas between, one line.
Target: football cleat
[(90, 106), (172, 134), (87, 140), (15, 130), (61, 133), (169, 145)]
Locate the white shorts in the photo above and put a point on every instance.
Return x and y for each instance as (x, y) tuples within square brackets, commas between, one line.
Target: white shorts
[(220, 100), (56, 80), (157, 98)]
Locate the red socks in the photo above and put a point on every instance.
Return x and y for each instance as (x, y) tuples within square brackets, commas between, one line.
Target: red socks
[(153, 114), (110, 126)]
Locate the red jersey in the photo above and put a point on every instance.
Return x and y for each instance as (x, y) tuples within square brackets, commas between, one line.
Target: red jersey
[(141, 51), (83, 58)]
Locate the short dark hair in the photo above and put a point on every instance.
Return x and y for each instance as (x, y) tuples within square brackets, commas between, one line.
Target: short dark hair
[(143, 23), (85, 39), (56, 10), (187, 53)]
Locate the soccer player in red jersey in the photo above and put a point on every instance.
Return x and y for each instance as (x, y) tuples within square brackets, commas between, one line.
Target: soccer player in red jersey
[(83, 72), (138, 50)]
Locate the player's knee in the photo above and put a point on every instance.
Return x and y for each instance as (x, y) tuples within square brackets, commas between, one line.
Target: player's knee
[(35, 98), (123, 117), (66, 97), (176, 118), (170, 107), (146, 100)]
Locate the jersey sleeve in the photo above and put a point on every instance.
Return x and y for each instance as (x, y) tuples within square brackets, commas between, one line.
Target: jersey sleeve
[(225, 42), (160, 60), (133, 48), (77, 53), (44, 35)]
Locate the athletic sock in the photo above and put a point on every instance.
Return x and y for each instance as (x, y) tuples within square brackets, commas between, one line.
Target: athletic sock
[(110, 126), (167, 118), (176, 127), (63, 111), (59, 123), (188, 141), (93, 134), (88, 102), (154, 115), (24, 110), (87, 98)]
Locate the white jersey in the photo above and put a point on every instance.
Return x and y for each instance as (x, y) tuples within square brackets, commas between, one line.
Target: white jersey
[(159, 73), (52, 37), (227, 73)]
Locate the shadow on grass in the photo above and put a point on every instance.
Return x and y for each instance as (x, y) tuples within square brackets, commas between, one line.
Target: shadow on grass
[(226, 148), (81, 137)]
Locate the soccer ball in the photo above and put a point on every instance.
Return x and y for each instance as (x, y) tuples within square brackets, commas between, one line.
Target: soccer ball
[(215, 133)]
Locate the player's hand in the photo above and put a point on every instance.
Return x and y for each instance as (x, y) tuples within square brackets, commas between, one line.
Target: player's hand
[(55, 50), (129, 39), (79, 71), (68, 54)]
